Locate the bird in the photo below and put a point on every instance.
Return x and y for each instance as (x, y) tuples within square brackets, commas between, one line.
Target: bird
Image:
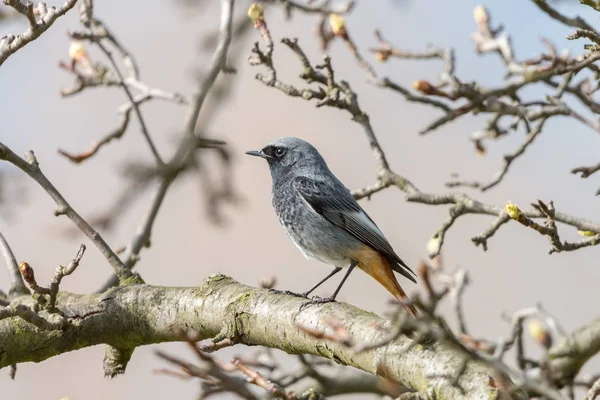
[(322, 218)]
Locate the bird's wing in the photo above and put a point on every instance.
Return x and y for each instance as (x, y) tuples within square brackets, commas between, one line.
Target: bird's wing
[(336, 204)]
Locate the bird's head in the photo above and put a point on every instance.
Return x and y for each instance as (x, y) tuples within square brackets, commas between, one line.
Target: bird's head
[(290, 156)]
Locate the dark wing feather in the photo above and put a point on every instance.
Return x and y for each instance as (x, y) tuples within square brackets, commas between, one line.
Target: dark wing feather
[(336, 204)]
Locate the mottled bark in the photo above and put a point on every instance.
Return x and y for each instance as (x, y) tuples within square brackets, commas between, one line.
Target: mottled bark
[(568, 355), (140, 314)]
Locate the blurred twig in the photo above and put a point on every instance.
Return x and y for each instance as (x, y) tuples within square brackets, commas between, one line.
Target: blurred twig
[(39, 20)]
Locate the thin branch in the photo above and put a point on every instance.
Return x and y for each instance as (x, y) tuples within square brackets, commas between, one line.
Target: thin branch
[(256, 378), (460, 282), (10, 44), (187, 144), (331, 93), (576, 22), (17, 286), (132, 101), (586, 171), (507, 160), (385, 50), (114, 135), (594, 391), (490, 231), (549, 229), (342, 8), (52, 291), (31, 167), (387, 83), (592, 35)]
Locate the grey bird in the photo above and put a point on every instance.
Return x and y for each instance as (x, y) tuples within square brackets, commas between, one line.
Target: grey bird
[(319, 214)]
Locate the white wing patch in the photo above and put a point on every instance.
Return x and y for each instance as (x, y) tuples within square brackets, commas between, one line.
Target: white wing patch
[(364, 220)]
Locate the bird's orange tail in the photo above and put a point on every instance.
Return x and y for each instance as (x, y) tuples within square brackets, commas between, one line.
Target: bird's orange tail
[(376, 265)]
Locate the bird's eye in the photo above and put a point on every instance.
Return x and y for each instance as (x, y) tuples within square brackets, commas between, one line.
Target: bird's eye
[(279, 152)]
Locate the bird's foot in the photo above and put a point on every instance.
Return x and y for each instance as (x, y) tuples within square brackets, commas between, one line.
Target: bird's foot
[(317, 300), (287, 292)]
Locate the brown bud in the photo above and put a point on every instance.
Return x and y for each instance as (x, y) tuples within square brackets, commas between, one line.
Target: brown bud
[(479, 148), (27, 272), (382, 56), (424, 87)]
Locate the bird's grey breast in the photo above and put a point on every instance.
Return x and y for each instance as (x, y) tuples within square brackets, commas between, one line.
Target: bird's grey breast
[(311, 233)]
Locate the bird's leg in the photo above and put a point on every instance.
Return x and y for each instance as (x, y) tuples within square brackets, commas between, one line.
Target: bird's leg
[(305, 294), (343, 280), (332, 273), (318, 300)]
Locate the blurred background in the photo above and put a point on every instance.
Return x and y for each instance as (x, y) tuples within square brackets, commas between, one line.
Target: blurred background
[(169, 41)]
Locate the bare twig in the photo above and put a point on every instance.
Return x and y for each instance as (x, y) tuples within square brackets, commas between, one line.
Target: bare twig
[(576, 22), (586, 171), (256, 378), (508, 159), (132, 101), (10, 44), (339, 95), (31, 167), (187, 144), (385, 50), (51, 291), (594, 391), (214, 346), (549, 228), (341, 8), (125, 112), (17, 286)]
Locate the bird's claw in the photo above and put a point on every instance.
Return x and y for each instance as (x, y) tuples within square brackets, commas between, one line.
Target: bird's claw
[(287, 292), (317, 300)]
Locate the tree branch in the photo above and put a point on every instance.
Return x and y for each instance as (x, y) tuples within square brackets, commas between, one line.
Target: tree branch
[(31, 167), (187, 145), (17, 286), (142, 314), (571, 352), (331, 93), (10, 44)]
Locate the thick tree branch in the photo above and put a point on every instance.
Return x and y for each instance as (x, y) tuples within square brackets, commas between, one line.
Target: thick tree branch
[(137, 315)]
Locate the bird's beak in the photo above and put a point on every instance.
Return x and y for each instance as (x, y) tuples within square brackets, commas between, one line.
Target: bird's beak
[(258, 153)]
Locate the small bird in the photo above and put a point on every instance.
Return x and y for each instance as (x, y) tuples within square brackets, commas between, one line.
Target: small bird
[(319, 214)]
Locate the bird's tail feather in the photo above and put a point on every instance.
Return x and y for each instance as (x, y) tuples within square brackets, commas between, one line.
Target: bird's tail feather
[(384, 274)]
